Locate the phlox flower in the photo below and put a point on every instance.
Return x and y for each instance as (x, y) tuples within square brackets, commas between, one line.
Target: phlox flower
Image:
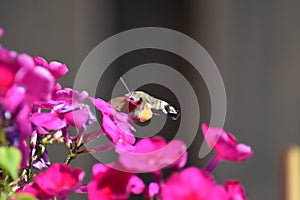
[(1, 32), (235, 190), (114, 124), (18, 93), (110, 184), (67, 109), (57, 69), (225, 145), (192, 184), (151, 154), (58, 180)]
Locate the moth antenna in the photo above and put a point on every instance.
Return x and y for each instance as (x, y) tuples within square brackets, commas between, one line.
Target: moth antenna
[(125, 85)]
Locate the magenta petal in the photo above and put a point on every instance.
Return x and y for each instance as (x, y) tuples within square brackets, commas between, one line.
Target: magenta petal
[(136, 185), (57, 69), (151, 154), (1, 32), (191, 183), (110, 128), (47, 120), (235, 190), (77, 118), (23, 121), (14, 97), (103, 106), (34, 190), (217, 192), (39, 61), (82, 189), (108, 183), (59, 180), (40, 75), (7, 76), (25, 62), (71, 96), (153, 189), (245, 151), (225, 144)]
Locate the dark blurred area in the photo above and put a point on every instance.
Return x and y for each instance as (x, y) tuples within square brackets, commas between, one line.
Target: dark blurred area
[(255, 45)]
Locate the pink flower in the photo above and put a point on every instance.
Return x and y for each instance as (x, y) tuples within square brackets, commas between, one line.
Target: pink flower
[(235, 190), (29, 79), (225, 145), (6, 77), (49, 121), (109, 184), (10, 64), (57, 181), (192, 184), (151, 154), (114, 124), (67, 110), (153, 190), (1, 32), (57, 69)]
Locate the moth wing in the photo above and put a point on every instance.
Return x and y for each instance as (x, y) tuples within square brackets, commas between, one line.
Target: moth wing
[(123, 104), (120, 104)]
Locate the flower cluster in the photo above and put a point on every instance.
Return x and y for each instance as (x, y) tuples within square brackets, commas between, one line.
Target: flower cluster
[(35, 111)]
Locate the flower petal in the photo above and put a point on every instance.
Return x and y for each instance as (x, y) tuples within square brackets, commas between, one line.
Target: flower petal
[(47, 120)]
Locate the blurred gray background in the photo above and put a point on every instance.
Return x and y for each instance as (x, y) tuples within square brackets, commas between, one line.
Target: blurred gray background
[(255, 45)]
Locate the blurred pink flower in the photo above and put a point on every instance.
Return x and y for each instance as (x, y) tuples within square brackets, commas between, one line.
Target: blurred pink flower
[(29, 79), (57, 69), (225, 145), (114, 124), (153, 190), (192, 184), (57, 181), (235, 190), (67, 109), (110, 184), (20, 69), (1, 32), (10, 64), (151, 154)]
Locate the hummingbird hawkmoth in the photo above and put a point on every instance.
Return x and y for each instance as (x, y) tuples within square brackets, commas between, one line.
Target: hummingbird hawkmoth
[(139, 105)]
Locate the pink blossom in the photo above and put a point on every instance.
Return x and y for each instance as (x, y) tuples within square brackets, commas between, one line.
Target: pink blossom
[(29, 79), (153, 190), (1, 32), (114, 124), (109, 184), (49, 121), (70, 96), (66, 110), (57, 181), (6, 77), (235, 190), (57, 69), (10, 63), (151, 154), (192, 184), (19, 69), (225, 144)]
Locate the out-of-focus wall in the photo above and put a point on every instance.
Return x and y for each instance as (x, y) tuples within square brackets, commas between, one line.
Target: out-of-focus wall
[(256, 47)]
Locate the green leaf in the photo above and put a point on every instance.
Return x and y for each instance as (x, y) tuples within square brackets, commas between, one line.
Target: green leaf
[(2, 137), (10, 160), (24, 197)]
